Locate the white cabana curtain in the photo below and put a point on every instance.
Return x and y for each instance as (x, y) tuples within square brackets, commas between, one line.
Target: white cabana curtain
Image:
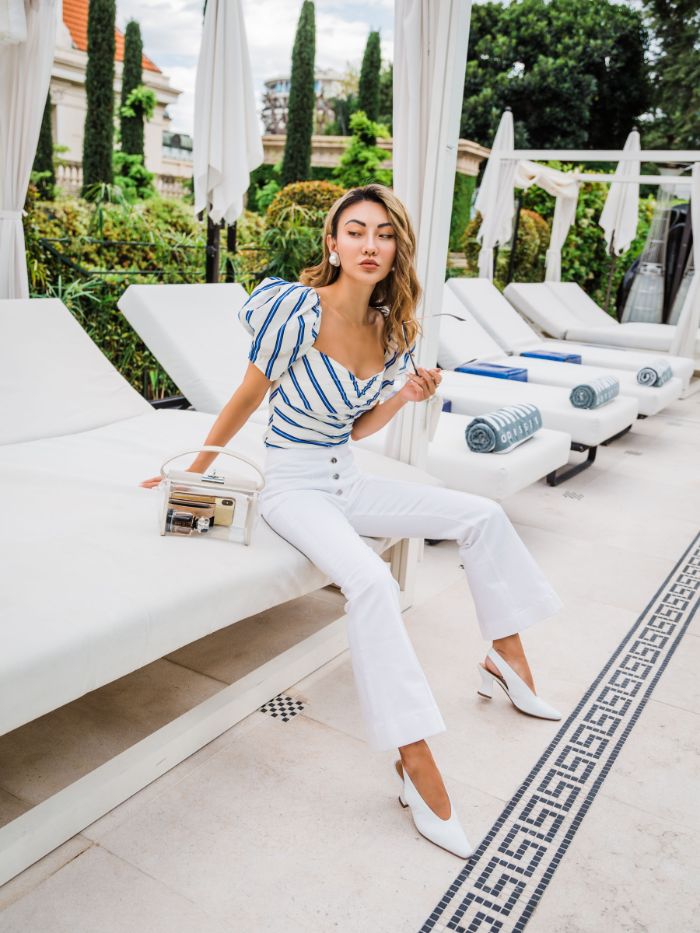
[(227, 141), (494, 200), (430, 53), (621, 210), (564, 187), (13, 22), (25, 71), (496, 205), (686, 335)]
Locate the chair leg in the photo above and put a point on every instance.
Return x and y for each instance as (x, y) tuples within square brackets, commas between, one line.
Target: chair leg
[(615, 436), (556, 477)]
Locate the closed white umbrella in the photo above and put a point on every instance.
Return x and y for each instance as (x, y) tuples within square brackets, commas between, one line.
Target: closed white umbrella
[(495, 201), (227, 142), (621, 210), (25, 71), (686, 334)]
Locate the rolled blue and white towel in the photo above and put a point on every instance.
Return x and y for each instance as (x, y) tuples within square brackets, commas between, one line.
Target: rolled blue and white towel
[(654, 373), (501, 430), (595, 393)]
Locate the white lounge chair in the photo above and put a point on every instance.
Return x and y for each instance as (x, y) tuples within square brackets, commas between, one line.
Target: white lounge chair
[(194, 332), (512, 332), (565, 311), (90, 590), (466, 339)]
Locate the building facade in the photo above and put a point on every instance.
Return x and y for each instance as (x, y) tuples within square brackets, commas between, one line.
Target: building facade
[(275, 101), (171, 164)]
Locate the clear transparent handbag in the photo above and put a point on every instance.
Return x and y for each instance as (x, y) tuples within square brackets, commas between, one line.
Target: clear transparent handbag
[(213, 504)]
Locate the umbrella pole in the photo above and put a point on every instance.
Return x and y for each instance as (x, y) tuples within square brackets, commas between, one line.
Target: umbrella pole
[(611, 269), (212, 256), (514, 241), (229, 271)]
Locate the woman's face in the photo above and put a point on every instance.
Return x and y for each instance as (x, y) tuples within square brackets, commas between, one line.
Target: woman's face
[(365, 242)]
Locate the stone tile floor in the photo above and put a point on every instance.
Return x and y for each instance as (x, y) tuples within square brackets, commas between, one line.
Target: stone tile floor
[(295, 827)]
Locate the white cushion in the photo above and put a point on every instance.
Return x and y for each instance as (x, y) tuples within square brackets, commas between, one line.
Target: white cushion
[(622, 358), (581, 304), (492, 475), (462, 340), (474, 395), (194, 333), (637, 335), (495, 313), (91, 590), (53, 379), (540, 306), (651, 399)]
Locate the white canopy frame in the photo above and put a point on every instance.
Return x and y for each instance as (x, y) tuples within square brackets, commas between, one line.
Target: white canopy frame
[(689, 320)]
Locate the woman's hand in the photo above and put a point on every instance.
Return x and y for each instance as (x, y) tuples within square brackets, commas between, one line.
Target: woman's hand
[(150, 483), (420, 387)]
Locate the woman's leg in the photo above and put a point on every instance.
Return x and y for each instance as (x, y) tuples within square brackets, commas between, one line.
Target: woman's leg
[(395, 699), (509, 591)]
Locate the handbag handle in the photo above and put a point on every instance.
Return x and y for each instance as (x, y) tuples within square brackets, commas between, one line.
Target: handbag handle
[(218, 450)]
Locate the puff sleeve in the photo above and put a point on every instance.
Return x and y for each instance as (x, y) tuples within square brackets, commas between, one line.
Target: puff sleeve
[(282, 318), (395, 371)]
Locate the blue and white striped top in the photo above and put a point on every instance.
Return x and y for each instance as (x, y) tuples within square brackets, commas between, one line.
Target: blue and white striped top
[(314, 399)]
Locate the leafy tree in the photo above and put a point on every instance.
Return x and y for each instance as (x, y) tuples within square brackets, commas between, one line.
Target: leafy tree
[(132, 78), (361, 162), (368, 96), (99, 84), (386, 97), (573, 71), (675, 119), (43, 169), (296, 164)]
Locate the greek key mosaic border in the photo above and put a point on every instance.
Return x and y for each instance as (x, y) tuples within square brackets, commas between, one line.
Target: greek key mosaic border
[(500, 886)]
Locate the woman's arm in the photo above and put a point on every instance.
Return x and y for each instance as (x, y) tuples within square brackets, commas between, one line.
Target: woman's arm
[(231, 419), (418, 388)]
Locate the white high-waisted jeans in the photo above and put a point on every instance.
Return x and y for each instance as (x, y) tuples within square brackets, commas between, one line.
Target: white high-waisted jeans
[(318, 500)]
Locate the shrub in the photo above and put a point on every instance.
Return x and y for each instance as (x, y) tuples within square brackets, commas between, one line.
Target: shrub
[(530, 249), (315, 196), (361, 162), (75, 268)]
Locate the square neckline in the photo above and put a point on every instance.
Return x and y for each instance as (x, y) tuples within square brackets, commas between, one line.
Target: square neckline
[(337, 362)]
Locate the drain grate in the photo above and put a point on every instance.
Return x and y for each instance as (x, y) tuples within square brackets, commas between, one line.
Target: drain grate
[(282, 707)]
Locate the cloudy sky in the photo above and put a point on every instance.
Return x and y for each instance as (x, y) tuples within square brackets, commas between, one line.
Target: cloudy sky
[(171, 32)]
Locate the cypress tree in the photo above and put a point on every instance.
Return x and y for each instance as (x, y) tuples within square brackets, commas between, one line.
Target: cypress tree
[(99, 90), (296, 165), (43, 160), (132, 77), (368, 96)]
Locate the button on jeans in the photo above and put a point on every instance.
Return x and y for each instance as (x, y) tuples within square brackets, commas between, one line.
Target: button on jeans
[(318, 500)]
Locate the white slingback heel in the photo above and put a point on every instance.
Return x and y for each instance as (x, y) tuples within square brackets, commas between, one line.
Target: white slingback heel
[(515, 689), (448, 834)]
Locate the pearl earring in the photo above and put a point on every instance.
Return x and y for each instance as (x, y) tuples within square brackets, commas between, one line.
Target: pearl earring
[(334, 258), (393, 268)]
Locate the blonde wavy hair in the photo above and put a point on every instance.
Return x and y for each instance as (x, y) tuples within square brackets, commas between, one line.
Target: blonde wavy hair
[(400, 290)]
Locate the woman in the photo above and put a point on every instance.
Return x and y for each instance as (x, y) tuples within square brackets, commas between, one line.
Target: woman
[(333, 349)]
